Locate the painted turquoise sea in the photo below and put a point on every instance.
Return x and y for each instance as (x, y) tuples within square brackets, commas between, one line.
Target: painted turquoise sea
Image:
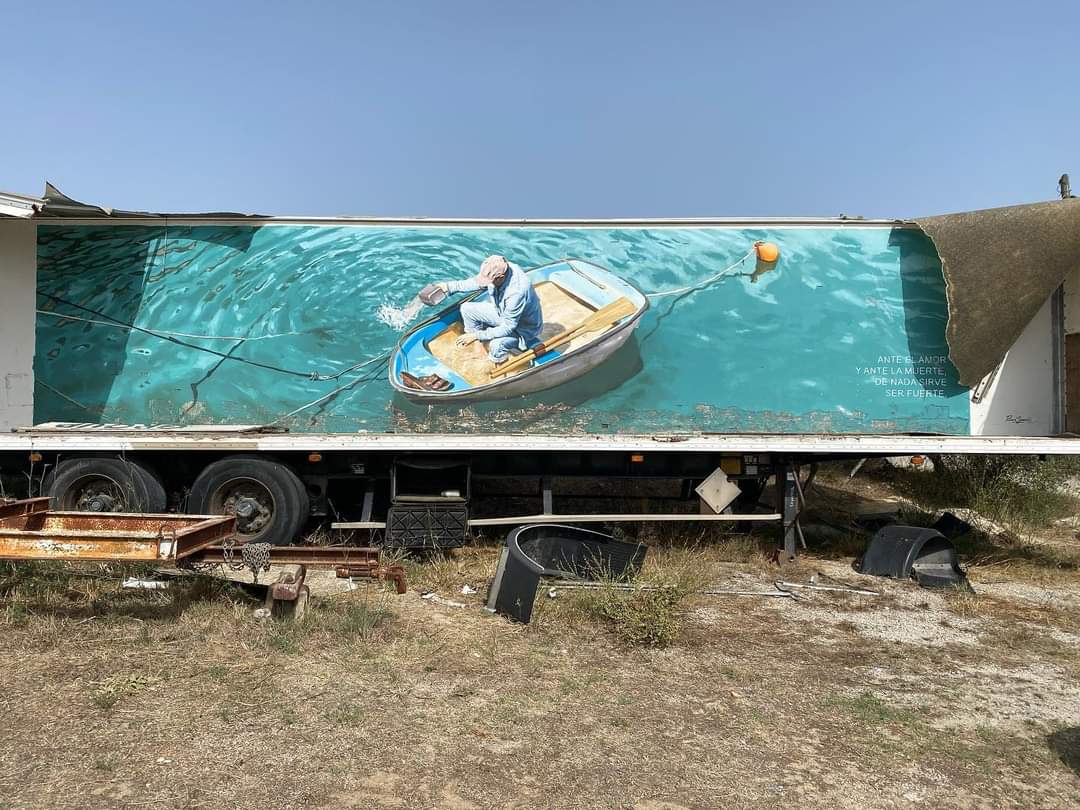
[(251, 324)]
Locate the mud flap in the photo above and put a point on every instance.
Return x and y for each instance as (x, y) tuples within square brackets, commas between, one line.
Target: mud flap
[(922, 554), (563, 552)]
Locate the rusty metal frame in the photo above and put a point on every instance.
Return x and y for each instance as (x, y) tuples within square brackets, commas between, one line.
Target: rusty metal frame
[(29, 530), (27, 506), (327, 556), (347, 561)]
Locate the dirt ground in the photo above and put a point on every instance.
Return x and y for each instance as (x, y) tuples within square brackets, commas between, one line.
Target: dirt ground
[(182, 698)]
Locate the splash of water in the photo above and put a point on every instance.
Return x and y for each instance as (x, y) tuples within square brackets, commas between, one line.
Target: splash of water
[(398, 318)]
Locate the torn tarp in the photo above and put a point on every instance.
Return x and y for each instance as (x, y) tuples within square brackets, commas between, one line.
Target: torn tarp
[(57, 204), (1000, 266)]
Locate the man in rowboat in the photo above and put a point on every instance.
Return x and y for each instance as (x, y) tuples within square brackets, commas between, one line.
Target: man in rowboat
[(510, 320)]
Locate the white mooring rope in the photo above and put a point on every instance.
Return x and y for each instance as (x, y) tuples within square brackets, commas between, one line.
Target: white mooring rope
[(707, 281)]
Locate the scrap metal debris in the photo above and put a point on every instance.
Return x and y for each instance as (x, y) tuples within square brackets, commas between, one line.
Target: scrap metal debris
[(370, 568), (811, 586), (621, 586), (287, 597), (782, 588)]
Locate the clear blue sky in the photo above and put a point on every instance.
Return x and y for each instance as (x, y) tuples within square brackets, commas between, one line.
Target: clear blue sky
[(542, 109)]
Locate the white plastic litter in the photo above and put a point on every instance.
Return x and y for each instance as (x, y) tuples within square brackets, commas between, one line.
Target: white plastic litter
[(135, 583), (467, 590), (431, 596)]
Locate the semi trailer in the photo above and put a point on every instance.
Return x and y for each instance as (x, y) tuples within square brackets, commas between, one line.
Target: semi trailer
[(283, 371)]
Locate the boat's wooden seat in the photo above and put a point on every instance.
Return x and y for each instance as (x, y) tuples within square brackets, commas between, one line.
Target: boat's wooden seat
[(561, 310)]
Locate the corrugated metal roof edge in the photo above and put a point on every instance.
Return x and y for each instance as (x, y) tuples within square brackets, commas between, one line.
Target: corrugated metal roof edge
[(57, 205), (19, 206)]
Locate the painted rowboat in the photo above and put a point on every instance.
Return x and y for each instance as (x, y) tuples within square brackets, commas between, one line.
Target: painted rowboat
[(572, 292)]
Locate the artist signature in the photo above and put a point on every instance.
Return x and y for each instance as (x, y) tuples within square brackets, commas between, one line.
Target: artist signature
[(1017, 420)]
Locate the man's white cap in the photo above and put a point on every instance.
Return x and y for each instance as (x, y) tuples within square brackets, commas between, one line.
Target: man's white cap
[(492, 269)]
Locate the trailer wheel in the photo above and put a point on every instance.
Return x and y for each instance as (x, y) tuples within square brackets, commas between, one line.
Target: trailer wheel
[(268, 500), (155, 486), (104, 485)]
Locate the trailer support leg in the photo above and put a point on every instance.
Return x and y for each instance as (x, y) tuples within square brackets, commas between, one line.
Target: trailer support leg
[(787, 495), (287, 598)]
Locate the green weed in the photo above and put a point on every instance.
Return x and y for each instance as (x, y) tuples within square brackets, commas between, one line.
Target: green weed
[(362, 618), (346, 713), (871, 710), (646, 618)]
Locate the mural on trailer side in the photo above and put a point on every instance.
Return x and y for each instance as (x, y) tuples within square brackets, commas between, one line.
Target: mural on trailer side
[(586, 329)]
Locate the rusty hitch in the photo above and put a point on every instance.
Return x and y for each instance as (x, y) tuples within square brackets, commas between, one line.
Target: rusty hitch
[(373, 570)]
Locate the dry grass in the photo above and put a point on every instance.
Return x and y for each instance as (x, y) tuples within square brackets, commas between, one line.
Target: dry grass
[(1064, 615), (1023, 491), (649, 610), (647, 699), (1024, 545)]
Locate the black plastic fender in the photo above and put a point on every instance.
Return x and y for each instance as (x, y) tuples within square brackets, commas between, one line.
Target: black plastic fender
[(552, 550), (922, 554)]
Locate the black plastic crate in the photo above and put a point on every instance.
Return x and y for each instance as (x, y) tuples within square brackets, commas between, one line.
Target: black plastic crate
[(427, 525)]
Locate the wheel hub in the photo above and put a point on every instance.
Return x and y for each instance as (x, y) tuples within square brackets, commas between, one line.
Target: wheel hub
[(99, 495), (101, 503), (251, 503), (246, 507)]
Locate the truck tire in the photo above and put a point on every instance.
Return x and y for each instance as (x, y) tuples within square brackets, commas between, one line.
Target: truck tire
[(104, 485), (269, 501), (155, 486)]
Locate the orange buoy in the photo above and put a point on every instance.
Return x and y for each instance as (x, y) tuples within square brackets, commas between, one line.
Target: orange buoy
[(767, 251)]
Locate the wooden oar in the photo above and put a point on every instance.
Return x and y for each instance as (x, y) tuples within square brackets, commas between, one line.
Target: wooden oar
[(601, 319), (598, 320)]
